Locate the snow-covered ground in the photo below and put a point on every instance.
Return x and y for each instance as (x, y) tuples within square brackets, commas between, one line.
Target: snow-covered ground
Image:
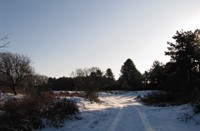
[(122, 112), (7, 96)]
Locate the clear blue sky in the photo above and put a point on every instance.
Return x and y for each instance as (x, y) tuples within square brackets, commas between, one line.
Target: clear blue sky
[(62, 35)]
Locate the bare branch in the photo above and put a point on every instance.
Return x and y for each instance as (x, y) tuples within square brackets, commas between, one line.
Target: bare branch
[(4, 45), (14, 68), (2, 40)]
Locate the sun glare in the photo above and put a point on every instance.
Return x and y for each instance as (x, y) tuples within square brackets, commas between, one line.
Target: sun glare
[(194, 25)]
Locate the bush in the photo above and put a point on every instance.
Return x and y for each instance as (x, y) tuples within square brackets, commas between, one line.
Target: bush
[(59, 110), (163, 99), (197, 106), (73, 94), (5, 89), (35, 112), (92, 96), (89, 94), (20, 115)]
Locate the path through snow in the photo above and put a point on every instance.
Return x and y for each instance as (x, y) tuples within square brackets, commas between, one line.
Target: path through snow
[(121, 112)]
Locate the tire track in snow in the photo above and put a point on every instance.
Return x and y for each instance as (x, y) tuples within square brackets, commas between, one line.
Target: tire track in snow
[(144, 120), (138, 115), (116, 120)]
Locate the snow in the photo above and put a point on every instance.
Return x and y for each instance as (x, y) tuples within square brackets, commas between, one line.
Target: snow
[(7, 96), (122, 112)]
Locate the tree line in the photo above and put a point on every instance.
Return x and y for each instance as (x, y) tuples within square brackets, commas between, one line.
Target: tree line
[(180, 74)]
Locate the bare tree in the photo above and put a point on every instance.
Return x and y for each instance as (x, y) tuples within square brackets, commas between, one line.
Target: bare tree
[(89, 80), (14, 69)]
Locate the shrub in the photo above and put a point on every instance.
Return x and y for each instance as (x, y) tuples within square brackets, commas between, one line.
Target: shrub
[(89, 94), (59, 110), (92, 96), (20, 115), (73, 94), (163, 99), (36, 112), (5, 89), (197, 106)]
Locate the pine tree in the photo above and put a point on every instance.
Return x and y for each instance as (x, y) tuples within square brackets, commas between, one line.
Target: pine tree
[(131, 78), (109, 74), (109, 80), (156, 74), (185, 56)]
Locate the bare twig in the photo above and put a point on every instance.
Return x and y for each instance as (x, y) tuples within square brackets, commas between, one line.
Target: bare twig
[(5, 44)]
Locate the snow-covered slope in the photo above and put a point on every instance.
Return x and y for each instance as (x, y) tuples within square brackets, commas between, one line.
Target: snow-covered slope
[(121, 112)]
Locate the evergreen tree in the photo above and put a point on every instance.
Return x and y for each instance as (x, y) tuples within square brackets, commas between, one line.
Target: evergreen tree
[(145, 78), (185, 56), (109, 80), (109, 74), (156, 74), (131, 78)]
